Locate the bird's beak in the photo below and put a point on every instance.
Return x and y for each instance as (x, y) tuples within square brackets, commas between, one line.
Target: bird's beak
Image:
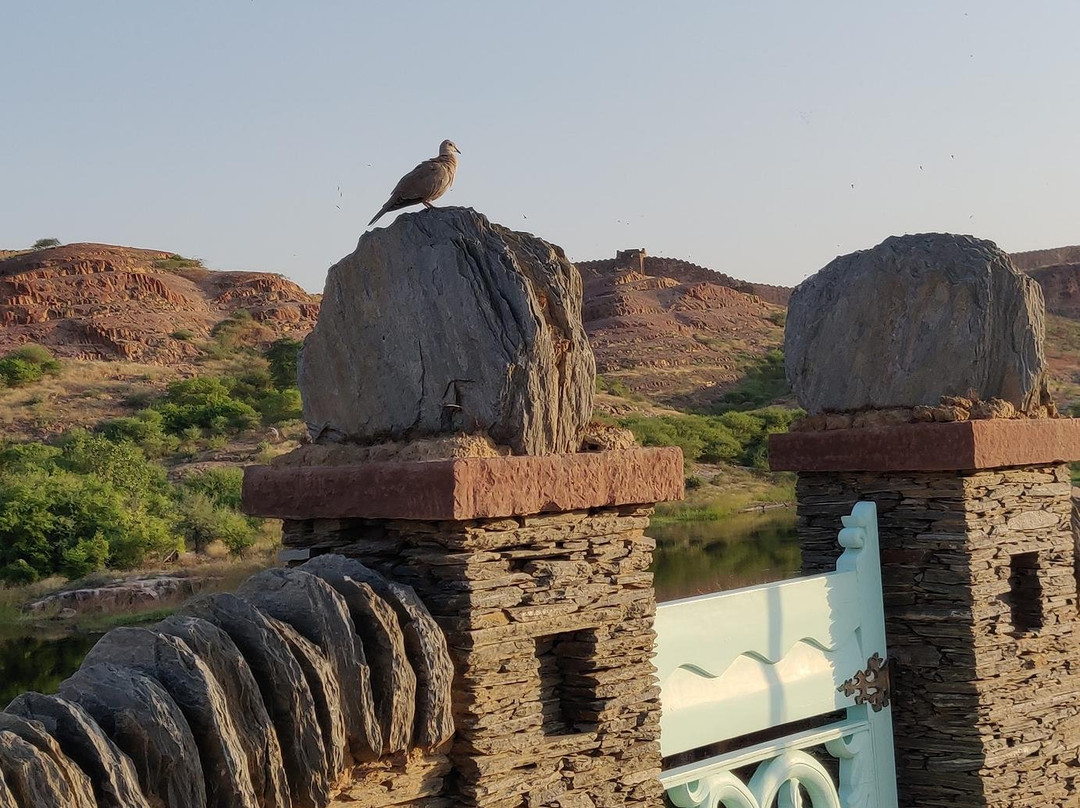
[(457, 149)]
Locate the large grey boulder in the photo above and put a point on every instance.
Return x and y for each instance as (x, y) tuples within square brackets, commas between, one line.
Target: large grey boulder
[(312, 607), (284, 688), (255, 732), (78, 790), (146, 724), (444, 322), (111, 772), (191, 684), (914, 319)]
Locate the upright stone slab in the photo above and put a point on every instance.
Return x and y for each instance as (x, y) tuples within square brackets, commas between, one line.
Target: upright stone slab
[(536, 568), (978, 568)]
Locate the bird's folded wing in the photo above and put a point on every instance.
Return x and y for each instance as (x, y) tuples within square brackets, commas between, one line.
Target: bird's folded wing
[(421, 182)]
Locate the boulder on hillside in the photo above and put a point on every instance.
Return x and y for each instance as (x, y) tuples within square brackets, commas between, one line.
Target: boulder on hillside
[(915, 319), (444, 322)]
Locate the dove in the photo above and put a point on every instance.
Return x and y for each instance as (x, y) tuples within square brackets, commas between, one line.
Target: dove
[(429, 180)]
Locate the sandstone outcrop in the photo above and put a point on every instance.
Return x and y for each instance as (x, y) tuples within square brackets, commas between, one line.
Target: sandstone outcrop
[(444, 322), (915, 319), (675, 331), (97, 301)]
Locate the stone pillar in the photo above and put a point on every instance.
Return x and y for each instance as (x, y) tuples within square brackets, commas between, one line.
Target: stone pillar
[(537, 570), (978, 569)]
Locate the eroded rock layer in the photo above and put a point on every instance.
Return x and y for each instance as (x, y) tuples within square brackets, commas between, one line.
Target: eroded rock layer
[(260, 701)]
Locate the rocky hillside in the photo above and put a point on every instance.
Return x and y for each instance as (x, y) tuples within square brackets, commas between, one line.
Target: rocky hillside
[(96, 301), (674, 331)]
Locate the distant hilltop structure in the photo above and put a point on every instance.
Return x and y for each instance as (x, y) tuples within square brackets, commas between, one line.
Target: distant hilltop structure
[(637, 260)]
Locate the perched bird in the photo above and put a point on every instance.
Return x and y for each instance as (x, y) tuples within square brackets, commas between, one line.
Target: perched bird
[(428, 181)]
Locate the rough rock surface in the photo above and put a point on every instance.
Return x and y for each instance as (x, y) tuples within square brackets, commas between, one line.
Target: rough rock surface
[(502, 350), (914, 319), (33, 777), (7, 799), (113, 775), (425, 644), (76, 784), (325, 689), (320, 614), (284, 689), (255, 732), (116, 597), (393, 682), (147, 725), (192, 685)]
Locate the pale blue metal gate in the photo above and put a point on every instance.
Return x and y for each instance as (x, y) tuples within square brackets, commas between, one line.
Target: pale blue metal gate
[(757, 659)]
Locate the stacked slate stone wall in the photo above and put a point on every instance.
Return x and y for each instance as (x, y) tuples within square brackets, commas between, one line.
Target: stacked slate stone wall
[(304, 690), (549, 621), (981, 615)]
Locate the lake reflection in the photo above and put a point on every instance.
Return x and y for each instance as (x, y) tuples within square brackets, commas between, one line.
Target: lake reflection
[(40, 664), (695, 558)]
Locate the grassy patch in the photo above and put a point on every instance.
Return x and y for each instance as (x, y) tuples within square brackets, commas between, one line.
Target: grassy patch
[(177, 262), (725, 491), (764, 383)]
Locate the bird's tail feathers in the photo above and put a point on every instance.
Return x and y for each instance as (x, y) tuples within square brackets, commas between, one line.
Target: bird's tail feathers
[(382, 210)]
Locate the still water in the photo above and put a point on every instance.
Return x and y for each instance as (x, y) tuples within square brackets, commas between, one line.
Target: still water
[(695, 558), (692, 558)]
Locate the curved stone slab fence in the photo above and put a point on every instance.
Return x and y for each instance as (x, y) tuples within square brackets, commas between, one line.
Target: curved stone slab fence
[(306, 681)]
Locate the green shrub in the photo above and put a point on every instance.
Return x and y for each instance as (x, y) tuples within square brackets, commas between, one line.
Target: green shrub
[(27, 365), (204, 402), (175, 262), (45, 243), (736, 437), (221, 485), (146, 429), (18, 373), (18, 572), (613, 386), (183, 334), (90, 502)]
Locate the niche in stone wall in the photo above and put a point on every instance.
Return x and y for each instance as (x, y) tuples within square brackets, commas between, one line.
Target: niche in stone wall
[(567, 695), (1025, 592)]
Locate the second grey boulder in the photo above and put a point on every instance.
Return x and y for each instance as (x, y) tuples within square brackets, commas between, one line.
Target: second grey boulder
[(914, 319)]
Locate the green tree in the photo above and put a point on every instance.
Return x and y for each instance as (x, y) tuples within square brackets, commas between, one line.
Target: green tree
[(282, 355), (45, 243)]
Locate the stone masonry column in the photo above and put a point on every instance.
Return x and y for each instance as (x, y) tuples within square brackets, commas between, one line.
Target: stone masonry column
[(536, 568), (979, 572)]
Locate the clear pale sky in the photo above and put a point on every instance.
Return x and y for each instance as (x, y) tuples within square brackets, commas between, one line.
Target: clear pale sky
[(760, 139)]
